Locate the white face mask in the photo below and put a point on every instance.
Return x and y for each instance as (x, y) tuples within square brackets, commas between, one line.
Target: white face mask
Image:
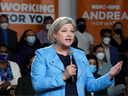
[(106, 40), (100, 56), (48, 26), (4, 25)]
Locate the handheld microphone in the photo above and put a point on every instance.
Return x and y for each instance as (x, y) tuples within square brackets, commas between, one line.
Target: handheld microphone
[(70, 53)]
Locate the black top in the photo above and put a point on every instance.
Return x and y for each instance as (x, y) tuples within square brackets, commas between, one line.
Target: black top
[(24, 86), (70, 89), (121, 47), (126, 69)]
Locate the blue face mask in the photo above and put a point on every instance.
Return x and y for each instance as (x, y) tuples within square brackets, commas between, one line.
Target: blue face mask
[(31, 39), (93, 68)]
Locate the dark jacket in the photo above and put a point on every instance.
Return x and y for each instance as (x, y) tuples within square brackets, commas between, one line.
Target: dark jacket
[(12, 40), (114, 55), (24, 87)]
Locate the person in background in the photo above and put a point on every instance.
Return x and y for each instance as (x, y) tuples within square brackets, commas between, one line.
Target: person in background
[(75, 43), (45, 45), (126, 76), (9, 73), (24, 86), (105, 68), (42, 35), (120, 41), (85, 40), (125, 68), (111, 52), (118, 38), (28, 43), (94, 68), (54, 72), (7, 36)]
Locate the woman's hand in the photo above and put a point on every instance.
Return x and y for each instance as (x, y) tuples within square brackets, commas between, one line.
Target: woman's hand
[(115, 70), (13, 86), (5, 85), (69, 71), (12, 92)]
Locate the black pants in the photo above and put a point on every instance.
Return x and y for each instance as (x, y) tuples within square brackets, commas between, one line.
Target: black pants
[(5, 93)]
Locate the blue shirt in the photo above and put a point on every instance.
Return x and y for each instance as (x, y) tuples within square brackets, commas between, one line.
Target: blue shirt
[(5, 33)]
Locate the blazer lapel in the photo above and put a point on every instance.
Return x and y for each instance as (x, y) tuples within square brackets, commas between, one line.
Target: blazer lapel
[(80, 63), (56, 62)]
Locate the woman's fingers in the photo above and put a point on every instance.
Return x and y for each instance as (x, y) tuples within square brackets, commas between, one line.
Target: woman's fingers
[(69, 71), (115, 70)]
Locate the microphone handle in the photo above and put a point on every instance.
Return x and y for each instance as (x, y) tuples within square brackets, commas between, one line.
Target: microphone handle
[(73, 79)]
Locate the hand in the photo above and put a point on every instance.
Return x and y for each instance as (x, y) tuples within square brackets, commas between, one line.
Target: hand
[(13, 86), (115, 70), (12, 92), (69, 71), (5, 85)]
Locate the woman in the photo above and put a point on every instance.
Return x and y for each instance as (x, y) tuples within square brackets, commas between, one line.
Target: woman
[(120, 41), (27, 44), (118, 38), (24, 86), (94, 68), (52, 74), (9, 73)]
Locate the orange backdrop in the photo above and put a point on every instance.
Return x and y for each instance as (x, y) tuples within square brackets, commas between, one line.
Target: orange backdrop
[(28, 14), (101, 14)]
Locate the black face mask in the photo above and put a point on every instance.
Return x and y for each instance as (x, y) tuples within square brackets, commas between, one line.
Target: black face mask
[(81, 28), (118, 31)]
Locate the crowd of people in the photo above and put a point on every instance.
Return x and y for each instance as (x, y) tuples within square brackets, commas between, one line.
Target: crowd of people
[(39, 65)]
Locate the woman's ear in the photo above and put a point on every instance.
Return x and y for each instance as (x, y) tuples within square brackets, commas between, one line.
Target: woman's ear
[(54, 34)]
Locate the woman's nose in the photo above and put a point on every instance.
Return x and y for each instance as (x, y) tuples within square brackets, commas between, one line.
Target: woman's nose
[(69, 33)]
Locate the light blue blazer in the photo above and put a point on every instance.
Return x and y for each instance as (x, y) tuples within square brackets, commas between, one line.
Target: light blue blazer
[(47, 71)]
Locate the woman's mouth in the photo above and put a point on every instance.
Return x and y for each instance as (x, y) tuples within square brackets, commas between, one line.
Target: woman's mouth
[(68, 40)]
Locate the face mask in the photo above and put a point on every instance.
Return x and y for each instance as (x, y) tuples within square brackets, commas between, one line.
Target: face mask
[(118, 31), (106, 40), (48, 26), (3, 57), (31, 39), (4, 25), (100, 56), (81, 28), (93, 68)]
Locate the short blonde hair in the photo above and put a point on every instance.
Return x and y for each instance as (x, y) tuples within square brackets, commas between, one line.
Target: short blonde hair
[(57, 24)]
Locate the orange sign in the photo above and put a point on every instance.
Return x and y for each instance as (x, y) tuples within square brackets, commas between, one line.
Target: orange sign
[(100, 14), (28, 14)]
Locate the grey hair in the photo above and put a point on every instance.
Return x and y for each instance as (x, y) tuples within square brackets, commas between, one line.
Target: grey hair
[(57, 24)]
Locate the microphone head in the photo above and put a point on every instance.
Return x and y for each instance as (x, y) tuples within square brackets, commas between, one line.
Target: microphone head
[(70, 52)]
